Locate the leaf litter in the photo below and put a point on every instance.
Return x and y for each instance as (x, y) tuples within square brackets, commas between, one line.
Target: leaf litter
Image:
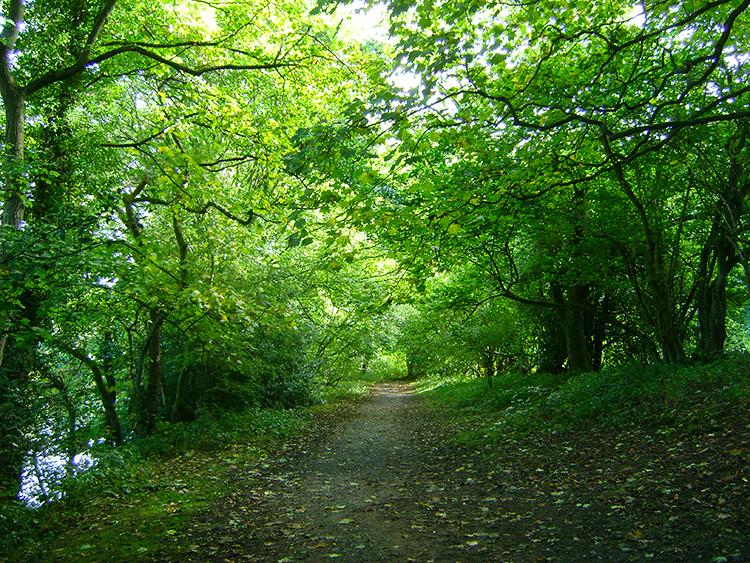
[(385, 481)]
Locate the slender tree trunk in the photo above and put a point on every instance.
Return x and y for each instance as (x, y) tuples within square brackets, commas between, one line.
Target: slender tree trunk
[(109, 386), (146, 393), (183, 406), (105, 388), (488, 364), (154, 379), (598, 331), (181, 411), (71, 440)]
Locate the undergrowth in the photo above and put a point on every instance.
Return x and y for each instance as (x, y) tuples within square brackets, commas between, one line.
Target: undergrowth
[(143, 483), (174, 466), (216, 429), (521, 404)]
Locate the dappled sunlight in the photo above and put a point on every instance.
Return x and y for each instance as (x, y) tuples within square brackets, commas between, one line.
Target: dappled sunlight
[(396, 389), (429, 280)]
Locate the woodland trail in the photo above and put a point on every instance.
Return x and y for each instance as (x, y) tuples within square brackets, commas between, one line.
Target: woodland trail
[(380, 489), (385, 484)]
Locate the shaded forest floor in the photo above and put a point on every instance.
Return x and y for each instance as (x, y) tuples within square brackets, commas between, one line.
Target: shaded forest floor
[(381, 480)]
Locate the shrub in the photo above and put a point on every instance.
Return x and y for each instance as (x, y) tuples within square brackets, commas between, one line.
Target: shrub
[(17, 526)]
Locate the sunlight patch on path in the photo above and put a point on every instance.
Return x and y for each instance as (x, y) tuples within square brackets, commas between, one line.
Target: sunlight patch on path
[(397, 389)]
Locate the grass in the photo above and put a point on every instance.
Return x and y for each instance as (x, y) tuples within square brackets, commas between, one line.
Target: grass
[(137, 501), (139, 496), (619, 397)]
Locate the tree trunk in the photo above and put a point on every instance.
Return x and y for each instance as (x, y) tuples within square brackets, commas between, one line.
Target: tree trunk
[(183, 406), (488, 365), (669, 334), (181, 410), (15, 111), (723, 250), (146, 393), (598, 332), (657, 299), (14, 379), (111, 418), (71, 440), (553, 353), (411, 370), (13, 177), (711, 295), (154, 382), (572, 316), (105, 388)]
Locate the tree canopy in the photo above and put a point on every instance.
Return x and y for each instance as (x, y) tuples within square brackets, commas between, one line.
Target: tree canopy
[(223, 206)]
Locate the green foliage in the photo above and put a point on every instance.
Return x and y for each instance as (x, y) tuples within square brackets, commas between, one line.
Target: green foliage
[(284, 377), (691, 396), (266, 369), (460, 326), (215, 429), (17, 525), (233, 205), (385, 367), (156, 197), (551, 149)]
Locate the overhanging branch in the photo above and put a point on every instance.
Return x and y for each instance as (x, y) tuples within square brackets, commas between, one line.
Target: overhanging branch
[(75, 69)]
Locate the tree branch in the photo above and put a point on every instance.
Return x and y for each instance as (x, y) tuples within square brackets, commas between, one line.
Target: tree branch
[(75, 69), (12, 26), (101, 19)]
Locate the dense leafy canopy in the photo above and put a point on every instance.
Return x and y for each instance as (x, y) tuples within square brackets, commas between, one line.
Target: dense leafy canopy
[(211, 207)]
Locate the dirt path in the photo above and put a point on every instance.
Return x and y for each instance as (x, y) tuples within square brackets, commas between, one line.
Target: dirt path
[(353, 498), (385, 486), (379, 489)]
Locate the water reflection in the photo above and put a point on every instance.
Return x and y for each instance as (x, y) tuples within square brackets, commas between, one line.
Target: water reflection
[(43, 476)]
